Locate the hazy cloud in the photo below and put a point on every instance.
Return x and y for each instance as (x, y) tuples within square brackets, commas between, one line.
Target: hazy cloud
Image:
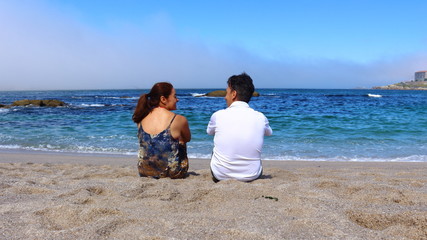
[(41, 48)]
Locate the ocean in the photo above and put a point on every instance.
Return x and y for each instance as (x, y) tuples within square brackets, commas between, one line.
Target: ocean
[(308, 124)]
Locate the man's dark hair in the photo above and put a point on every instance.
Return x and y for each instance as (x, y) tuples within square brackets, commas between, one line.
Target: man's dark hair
[(243, 85)]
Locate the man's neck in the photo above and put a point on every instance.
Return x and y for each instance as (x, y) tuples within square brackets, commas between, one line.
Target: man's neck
[(238, 103)]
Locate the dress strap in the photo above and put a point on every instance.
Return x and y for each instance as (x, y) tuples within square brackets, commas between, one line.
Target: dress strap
[(172, 120)]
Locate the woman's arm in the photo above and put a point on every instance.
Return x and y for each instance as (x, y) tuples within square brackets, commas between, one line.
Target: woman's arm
[(182, 129), (185, 131)]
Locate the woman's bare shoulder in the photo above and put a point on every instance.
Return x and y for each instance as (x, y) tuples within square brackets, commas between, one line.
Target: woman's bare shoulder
[(181, 119)]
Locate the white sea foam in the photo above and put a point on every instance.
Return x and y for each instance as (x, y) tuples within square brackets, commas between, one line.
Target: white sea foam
[(109, 97), (413, 158), (3, 110), (374, 95), (92, 105), (198, 94), (75, 149), (201, 95), (124, 97), (199, 155), (10, 147)]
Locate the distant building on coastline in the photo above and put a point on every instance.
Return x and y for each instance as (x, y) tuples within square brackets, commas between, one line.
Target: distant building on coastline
[(421, 76)]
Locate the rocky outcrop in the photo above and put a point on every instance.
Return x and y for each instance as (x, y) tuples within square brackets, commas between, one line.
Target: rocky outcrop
[(217, 93), (411, 85), (221, 93), (39, 103)]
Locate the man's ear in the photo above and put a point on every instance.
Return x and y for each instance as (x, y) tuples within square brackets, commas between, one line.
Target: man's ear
[(233, 95)]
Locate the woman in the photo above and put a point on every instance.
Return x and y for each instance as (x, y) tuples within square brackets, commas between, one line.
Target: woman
[(162, 134)]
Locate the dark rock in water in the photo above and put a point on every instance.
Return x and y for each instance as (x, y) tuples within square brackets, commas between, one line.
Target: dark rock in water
[(221, 93), (217, 93), (26, 102), (3, 106), (39, 103), (53, 103)]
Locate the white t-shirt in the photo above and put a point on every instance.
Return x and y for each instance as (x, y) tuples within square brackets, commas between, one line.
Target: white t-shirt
[(239, 135)]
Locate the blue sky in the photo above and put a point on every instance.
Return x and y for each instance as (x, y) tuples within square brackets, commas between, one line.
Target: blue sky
[(104, 44)]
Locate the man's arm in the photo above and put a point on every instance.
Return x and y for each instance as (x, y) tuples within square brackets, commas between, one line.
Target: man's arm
[(267, 129), (212, 125)]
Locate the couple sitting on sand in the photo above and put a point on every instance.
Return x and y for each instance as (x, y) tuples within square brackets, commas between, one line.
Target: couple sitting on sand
[(239, 134)]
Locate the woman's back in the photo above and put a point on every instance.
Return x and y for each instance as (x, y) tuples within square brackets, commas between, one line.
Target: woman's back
[(161, 155), (160, 119), (162, 136)]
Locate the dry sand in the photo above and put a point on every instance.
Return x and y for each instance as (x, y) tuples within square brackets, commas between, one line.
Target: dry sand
[(52, 196)]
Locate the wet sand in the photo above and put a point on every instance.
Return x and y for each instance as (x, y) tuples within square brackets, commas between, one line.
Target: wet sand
[(60, 196)]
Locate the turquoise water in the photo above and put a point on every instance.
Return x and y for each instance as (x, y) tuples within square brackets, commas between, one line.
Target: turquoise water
[(320, 125)]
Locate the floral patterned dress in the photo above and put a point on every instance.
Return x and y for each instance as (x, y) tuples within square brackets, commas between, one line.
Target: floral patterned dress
[(160, 155)]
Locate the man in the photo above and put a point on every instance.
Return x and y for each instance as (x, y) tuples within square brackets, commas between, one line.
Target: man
[(239, 134)]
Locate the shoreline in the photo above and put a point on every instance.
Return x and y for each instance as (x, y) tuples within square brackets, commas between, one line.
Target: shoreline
[(40, 157), (110, 158), (69, 196)]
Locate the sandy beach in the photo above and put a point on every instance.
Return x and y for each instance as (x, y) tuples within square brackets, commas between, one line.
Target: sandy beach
[(60, 196)]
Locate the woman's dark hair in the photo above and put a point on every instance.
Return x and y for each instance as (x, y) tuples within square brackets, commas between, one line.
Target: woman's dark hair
[(148, 101), (243, 85)]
